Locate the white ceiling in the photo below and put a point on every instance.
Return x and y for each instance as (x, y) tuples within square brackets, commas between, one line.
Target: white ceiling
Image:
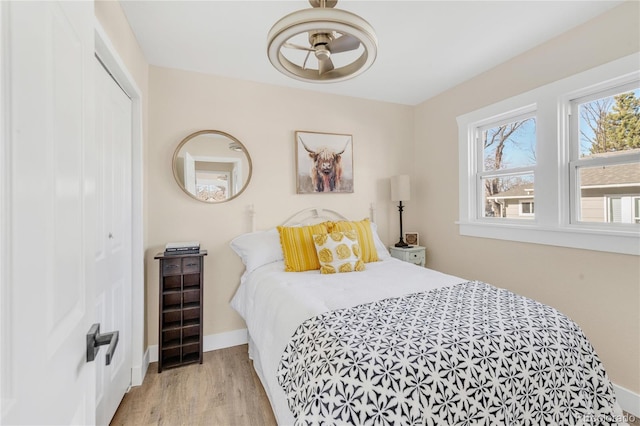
[(425, 47)]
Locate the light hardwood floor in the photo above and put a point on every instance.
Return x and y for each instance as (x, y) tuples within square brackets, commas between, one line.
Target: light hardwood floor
[(224, 390)]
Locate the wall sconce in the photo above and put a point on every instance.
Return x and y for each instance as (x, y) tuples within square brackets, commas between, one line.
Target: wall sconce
[(401, 191)]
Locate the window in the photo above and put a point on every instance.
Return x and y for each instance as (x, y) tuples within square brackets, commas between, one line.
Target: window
[(605, 155), (558, 165), (506, 177), (526, 208), (622, 209)]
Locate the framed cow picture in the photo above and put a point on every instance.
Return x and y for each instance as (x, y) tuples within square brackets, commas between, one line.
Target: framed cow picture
[(324, 163)]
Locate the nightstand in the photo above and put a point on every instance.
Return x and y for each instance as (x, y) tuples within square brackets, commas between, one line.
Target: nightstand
[(415, 254)]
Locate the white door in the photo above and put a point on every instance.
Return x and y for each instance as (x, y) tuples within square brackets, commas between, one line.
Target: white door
[(47, 304), (113, 239)]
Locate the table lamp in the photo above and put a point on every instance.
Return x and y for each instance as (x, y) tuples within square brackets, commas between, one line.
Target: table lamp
[(401, 191)]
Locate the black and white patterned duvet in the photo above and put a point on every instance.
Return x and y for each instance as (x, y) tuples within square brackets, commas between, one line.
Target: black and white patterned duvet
[(469, 354)]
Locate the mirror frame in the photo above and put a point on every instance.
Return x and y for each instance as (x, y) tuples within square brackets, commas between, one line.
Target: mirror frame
[(215, 132)]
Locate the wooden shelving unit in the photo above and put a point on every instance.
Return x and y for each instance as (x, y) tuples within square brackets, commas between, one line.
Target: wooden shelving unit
[(180, 329)]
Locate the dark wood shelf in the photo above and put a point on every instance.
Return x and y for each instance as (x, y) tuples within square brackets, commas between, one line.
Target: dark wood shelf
[(171, 344), (190, 358), (190, 339), (190, 305), (180, 330), (171, 308), (172, 362), (173, 325), (195, 321)]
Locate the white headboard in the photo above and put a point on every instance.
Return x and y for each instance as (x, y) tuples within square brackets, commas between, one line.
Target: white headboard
[(310, 216)]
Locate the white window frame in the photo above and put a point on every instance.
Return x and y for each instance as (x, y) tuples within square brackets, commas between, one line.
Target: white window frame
[(553, 223)]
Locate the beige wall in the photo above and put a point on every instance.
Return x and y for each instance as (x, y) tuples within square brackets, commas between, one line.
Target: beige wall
[(600, 291), (264, 118)]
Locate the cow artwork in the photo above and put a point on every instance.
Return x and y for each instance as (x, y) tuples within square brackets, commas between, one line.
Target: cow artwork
[(326, 170)]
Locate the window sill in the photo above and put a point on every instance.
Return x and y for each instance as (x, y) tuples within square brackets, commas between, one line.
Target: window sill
[(578, 236)]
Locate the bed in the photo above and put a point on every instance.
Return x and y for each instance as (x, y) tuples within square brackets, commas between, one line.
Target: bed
[(399, 344)]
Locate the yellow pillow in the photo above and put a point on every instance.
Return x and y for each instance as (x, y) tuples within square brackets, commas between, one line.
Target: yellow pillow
[(365, 237), (338, 252), (298, 249)]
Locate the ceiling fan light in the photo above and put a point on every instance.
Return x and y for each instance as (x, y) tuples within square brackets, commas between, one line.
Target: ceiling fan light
[(321, 20), (322, 53)]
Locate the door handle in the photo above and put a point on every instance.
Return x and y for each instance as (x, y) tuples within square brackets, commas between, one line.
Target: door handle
[(95, 340)]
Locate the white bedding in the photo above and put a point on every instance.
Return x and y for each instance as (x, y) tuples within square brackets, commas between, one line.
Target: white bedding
[(274, 303)]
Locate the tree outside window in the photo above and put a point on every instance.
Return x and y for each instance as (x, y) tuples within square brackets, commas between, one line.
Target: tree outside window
[(508, 152), (610, 124)]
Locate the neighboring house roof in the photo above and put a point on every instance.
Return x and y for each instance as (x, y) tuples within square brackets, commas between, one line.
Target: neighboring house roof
[(520, 191), (619, 174)]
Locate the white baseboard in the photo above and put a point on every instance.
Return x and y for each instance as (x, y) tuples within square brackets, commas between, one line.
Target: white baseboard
[(138, 372), (211, 342), (628, 400)]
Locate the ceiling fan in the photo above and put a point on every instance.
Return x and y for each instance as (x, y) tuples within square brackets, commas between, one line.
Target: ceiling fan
[(330, 33)]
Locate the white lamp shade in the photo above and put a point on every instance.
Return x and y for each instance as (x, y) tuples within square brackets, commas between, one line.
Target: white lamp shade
[(400, 188)]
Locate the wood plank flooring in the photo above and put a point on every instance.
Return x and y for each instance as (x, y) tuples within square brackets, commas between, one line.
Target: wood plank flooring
[(223, 390)]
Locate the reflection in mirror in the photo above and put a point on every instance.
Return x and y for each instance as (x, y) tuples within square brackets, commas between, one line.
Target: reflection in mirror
[(212, 166)]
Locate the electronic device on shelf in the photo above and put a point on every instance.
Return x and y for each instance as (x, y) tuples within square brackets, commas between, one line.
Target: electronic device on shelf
[(188, 247)]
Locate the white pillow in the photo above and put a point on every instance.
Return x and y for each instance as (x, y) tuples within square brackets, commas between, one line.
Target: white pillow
[(383, 253), (258, 248)]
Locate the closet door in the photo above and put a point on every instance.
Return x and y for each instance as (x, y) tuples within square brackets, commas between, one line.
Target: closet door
[(113, 239)]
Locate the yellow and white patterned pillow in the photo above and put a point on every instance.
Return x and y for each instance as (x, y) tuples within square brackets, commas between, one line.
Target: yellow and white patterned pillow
[(338, 252)]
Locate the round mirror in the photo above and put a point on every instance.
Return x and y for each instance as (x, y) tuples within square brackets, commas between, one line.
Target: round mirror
[(212, 166)]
